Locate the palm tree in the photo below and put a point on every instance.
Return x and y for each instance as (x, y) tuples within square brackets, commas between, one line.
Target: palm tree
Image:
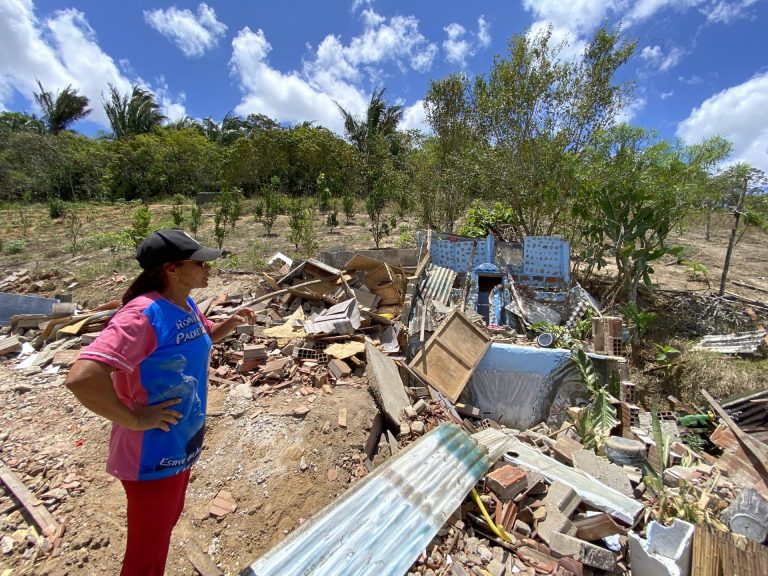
[(380, 120), (67, 107), (377, 141), (138, 114)]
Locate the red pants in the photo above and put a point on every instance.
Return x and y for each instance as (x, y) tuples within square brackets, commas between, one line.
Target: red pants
[(154, 507)]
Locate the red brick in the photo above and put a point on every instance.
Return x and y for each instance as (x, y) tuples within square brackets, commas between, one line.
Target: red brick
[(507, 482)]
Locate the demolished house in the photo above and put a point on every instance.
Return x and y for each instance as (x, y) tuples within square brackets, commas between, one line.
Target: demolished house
[(483, 462)]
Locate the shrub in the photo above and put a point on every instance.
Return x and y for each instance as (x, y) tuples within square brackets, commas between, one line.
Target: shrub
[(332, 220), (55, 207), (140, 224), (348, 204), (15, 246), (195, 218), (177, 210)]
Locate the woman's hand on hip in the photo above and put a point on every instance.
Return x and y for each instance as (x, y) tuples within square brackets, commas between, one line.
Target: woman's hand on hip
[(157, 416)]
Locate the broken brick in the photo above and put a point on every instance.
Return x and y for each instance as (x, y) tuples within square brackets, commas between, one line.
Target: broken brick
[(507, 482)]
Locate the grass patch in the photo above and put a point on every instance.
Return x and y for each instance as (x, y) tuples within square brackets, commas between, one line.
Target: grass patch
[(721, 375)]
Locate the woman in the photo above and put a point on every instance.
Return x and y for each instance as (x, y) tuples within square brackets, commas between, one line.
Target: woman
[(147, 373)]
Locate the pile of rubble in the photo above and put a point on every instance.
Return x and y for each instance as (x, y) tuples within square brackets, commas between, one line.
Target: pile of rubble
[(481, 460)]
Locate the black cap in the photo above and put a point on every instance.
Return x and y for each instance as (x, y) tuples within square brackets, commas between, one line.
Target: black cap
[(172, 245)]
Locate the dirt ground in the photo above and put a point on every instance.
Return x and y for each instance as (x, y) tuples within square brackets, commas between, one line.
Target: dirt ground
[(279, 469), (275, 465)]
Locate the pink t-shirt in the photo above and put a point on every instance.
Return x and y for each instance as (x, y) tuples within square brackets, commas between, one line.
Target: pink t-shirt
[(159, 351)]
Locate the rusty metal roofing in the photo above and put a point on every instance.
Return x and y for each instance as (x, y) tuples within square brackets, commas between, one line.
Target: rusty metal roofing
[(381, 525), (439, 283)]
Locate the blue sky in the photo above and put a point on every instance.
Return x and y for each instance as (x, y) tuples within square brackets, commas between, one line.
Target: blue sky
[(701, 66)]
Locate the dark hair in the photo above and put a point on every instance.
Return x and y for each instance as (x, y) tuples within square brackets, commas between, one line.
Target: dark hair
[(150, 280)]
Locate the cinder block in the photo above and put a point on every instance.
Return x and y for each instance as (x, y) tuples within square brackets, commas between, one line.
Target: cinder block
[(584, 552), (667, 552)]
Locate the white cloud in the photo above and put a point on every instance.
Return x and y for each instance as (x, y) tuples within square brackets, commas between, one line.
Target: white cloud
[(415, 117), (455, 46), (690, 80), (398, 41), (483, 32), (726, 12), (334, 73), (631, 109), (287, 97), (740, 114), (171, 106), (655, 56), (193, 35), (665, 95), (357, 4), (459, 45), (644, 9), (579, 16), (60, 51)]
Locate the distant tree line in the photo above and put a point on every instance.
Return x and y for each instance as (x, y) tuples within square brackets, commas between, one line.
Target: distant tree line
[(534, 146)]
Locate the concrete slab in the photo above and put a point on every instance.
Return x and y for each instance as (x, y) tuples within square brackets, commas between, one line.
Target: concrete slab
[(13, 304), (600, 468), (386, 386)]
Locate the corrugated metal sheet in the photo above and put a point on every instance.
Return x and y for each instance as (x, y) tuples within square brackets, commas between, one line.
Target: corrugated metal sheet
[(380, 526), (742, 343), (439, 283), (591, 490)]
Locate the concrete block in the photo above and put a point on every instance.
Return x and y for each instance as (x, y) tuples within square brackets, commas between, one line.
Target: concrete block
[(555, 521), (386, 387), (667, 551), (601, 469), (562, 498), (584, 552)]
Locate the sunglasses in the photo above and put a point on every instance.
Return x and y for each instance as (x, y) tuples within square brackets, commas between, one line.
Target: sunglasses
[(199, 263)]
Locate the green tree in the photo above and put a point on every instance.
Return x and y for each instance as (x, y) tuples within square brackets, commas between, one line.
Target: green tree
[(269, 207), (634, 190), (377, 142), (536, 113), (19, 122), (59, 112), (446, 179), (130, 115)]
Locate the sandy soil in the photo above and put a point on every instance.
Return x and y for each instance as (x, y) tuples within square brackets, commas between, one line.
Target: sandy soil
[(276, 466)]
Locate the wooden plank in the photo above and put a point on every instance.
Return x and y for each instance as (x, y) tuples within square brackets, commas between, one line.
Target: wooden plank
[(717, 553), (36, 510), (755, 447), (200, 560), (449, 358)]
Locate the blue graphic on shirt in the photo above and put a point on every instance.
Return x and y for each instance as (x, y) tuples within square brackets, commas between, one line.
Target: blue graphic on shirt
[(178, 368)]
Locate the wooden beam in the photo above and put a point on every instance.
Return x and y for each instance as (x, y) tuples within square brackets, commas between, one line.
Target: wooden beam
[(37, 511), (200, 560), (754, 447)]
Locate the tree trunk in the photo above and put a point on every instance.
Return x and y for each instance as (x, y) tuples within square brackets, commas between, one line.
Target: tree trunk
[(732, 240), (708, 231)]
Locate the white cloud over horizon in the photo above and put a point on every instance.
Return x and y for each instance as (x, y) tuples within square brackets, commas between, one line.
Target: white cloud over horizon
[(60, 51), (193, 35), (739, 114), (335, 72)]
